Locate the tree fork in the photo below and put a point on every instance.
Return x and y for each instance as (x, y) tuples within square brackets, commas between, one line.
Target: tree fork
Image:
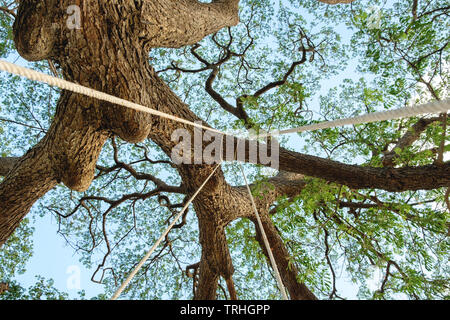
[(107, 57), (110, 53)]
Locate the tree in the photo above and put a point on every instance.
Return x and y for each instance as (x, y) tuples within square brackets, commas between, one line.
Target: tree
[(389, 212), (42, 289)]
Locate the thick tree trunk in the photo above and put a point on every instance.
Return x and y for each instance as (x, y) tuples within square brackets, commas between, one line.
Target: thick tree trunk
[(110, 53), (208, 282)]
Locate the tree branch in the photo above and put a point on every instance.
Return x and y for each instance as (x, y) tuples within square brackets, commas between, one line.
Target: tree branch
[(30, 178), (414, 9), (440, 158), (207, 283), (360, 177), (426, 177), (8, 11), (6, 164), (185, 21), (408, 139), (3, 287)]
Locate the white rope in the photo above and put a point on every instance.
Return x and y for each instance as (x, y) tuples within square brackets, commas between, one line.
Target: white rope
[(76, 88), (265, 240), (432, 107), (149, 253), (406, 112)]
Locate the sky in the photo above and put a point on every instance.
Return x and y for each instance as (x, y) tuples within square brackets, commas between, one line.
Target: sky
[(52, 258)]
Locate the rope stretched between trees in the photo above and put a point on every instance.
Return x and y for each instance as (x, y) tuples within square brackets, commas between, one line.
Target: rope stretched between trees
[(431, 107), (66, 85), (266, 241), (152, 249), (76, 88)]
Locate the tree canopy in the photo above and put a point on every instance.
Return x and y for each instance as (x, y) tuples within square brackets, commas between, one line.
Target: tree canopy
[(349, 201)]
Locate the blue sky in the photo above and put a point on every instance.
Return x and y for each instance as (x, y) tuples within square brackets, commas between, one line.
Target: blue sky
[(53, 259)]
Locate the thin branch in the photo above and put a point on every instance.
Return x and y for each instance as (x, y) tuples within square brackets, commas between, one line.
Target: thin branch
[(8, 11)]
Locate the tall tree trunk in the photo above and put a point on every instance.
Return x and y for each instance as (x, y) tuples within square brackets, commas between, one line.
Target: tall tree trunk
[(110, 53)]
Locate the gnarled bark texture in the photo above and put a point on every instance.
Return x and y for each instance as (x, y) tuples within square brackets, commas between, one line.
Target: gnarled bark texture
[(110, 53)]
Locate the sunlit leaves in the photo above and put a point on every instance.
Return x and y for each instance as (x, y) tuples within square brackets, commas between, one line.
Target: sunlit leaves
[(390, 245), (16, 252)]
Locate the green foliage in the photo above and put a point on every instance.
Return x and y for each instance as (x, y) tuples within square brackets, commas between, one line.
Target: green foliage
[(6, 36), (391, 245), (16, 252), (41, 290)]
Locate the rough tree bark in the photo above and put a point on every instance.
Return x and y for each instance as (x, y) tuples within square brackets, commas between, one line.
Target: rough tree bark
[(110, 53)]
